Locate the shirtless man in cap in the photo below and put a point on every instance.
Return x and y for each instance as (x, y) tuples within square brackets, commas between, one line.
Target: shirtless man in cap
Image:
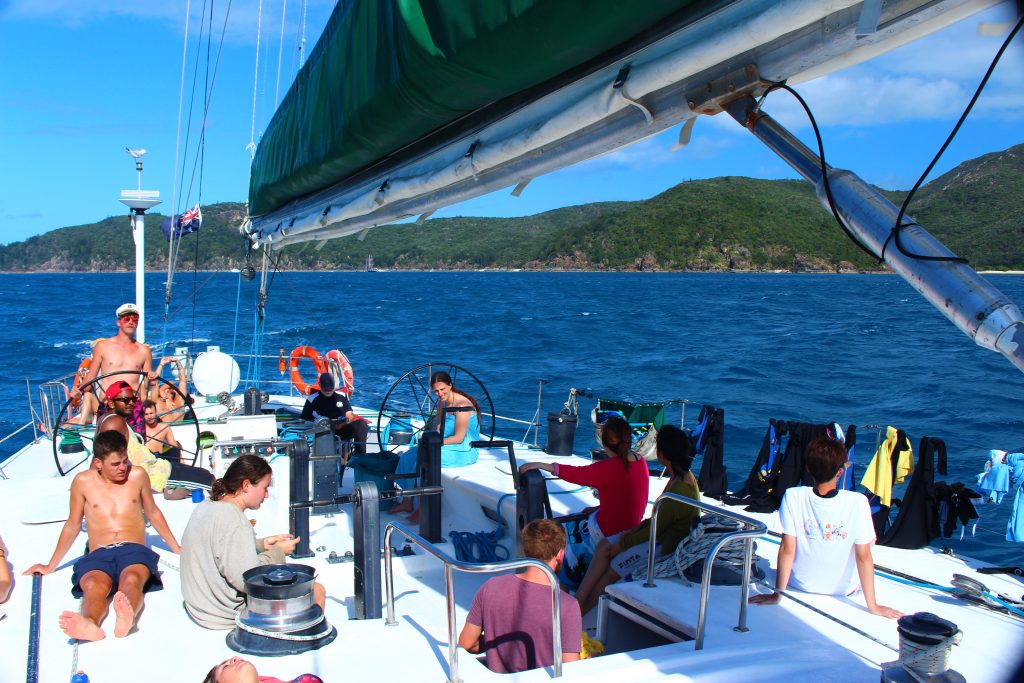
[(118, 353), (122, 351), (112, 497)]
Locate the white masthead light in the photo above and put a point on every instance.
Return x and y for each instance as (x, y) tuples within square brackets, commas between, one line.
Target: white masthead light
[(139, 201)]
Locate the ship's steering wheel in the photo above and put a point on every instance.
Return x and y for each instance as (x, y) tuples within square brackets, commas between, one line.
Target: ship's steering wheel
[(66, 433), (409, 407)]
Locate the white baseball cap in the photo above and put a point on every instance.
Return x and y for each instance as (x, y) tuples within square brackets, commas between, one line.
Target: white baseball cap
[(125, 309)]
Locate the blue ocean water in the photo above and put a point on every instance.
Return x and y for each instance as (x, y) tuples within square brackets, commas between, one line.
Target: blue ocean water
[(862, 349)]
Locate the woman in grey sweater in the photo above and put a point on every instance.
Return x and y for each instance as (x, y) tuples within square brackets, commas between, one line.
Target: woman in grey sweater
[(219, 545)]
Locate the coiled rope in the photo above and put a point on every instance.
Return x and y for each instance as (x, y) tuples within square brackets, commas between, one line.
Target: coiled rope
[(479, 546)]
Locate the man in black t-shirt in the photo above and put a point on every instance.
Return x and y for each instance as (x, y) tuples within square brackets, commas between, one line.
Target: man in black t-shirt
[(331, 404)]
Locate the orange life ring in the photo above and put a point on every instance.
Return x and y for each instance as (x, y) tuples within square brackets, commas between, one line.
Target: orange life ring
[(318, 362), (345, 368), (80, 374)]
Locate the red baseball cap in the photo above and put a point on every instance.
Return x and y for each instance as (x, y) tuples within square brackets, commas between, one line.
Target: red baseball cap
[(117, 387)]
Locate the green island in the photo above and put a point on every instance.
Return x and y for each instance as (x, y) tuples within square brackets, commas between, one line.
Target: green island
[(720, 224)]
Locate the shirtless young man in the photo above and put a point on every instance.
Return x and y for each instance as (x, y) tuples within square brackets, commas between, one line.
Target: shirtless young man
[(112, 498), (120, 352), (159, 438)]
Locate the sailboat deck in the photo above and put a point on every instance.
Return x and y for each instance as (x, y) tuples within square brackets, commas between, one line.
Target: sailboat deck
[(783, 640)]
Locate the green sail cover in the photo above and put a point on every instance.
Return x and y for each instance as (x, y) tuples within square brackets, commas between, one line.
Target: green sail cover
[(385, 73)]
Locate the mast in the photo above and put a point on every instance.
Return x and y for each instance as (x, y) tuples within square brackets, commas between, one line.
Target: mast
[(138, 201)]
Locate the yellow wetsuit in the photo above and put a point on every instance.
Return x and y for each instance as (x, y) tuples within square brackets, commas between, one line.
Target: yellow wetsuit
[(879, 476)]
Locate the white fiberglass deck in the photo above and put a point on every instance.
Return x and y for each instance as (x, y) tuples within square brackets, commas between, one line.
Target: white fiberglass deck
[(783, 640)]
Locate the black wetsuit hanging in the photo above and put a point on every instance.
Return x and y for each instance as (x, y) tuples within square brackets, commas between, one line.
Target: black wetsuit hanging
[(916, 524), (879, 512), (955, 504), (709, 441), (779, 465)]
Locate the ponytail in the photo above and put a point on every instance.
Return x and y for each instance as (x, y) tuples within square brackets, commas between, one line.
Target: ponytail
[(617, 437), (246, 468)]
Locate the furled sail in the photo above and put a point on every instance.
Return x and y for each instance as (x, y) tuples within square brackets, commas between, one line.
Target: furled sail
[(407, 106), (387, 73)]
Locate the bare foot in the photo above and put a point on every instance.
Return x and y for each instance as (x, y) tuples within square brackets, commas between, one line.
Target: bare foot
[(125, 615), (78, 627)]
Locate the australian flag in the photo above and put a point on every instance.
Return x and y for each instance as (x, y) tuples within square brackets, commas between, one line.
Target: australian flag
[(186, 223)]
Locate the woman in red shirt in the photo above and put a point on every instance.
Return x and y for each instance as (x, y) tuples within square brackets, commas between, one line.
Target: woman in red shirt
[(621, 482)]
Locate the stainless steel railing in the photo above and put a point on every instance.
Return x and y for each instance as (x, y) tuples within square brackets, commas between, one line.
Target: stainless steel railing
[(449, 591), (753, 528)]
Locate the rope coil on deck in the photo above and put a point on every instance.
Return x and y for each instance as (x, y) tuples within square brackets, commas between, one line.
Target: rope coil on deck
[(695, 547), (920, 659), (280, 635)]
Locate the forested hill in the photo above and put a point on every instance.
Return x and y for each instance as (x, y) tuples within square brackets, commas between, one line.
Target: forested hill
[(719, 224)]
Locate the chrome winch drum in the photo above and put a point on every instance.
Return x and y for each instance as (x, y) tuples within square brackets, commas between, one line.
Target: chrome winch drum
[(280, 617), (925, 644)]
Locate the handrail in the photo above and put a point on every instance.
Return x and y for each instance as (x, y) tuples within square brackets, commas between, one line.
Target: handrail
[(754, 528), (449, 590), (16, 431), (516, 420)]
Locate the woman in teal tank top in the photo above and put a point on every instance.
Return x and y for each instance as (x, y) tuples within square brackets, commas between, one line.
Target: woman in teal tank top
[(461, 428), (461, 421)]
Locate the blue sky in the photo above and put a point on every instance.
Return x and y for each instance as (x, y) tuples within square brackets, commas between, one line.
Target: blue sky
[(83, 80)]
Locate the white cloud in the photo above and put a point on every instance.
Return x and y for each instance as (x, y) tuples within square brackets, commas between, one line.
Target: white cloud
[(867, 100), (958, 52)]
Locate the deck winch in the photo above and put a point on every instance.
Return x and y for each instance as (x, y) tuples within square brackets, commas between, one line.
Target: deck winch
[(280, 616), (925, 643)]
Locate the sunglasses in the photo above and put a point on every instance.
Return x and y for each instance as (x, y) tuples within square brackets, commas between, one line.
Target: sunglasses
[(125, 399), (130, 317)]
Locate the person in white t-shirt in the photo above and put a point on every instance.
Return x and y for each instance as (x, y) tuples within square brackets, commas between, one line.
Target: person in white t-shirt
[(826, 535)]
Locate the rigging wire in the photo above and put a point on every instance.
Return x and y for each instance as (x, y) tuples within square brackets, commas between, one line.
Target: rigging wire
[(175, 247), (280, 53), (251, 147), (200, 155), (212, 81), (238, 301), (177, 151), (313, 315), (172, 249), (207, 281), (302, 45), (824, 167), (894, 235), (201, 152)]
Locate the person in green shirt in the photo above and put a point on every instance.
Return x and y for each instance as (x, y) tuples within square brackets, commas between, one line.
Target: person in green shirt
[(612, 561)]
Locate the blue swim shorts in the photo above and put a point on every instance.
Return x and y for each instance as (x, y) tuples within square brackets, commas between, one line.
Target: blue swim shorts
[(114, 559)]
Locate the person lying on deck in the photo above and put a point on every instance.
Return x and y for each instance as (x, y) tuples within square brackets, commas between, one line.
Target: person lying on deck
[(826, 535), (220, 545), (621, 481), (612, 561), (238, 670), (510, 618), (112, 497)]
